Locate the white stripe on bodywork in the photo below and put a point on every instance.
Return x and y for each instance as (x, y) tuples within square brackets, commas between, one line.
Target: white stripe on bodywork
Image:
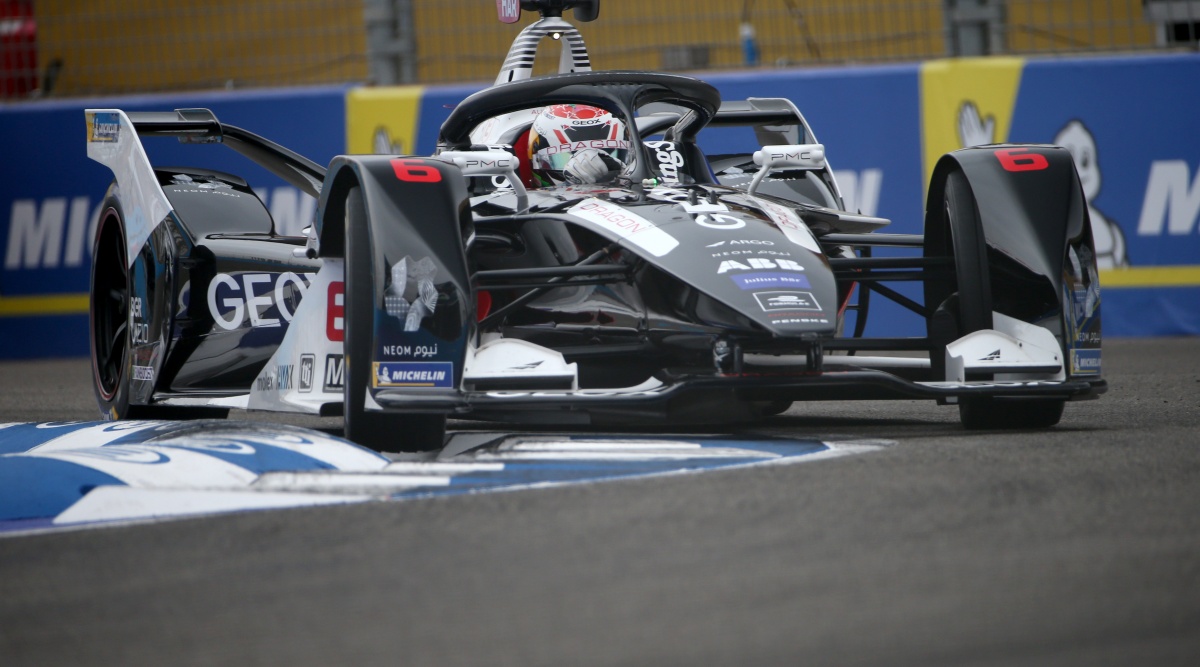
[(617, 220), (143, 202), (790, 224)]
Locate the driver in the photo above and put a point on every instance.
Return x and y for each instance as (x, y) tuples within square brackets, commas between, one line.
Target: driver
[(576, 143)]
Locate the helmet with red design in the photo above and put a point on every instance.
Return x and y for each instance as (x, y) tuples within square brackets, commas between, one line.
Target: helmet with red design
[(577, 143)]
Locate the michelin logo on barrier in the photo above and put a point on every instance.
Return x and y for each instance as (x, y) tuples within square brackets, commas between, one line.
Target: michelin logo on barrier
[(50, 235), (975, 129), (1107, 234), (383, 143), (57, 231), (1172, 202)]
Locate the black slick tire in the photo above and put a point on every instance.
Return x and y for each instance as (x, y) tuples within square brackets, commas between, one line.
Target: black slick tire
[(109, 328), (972, 309), (381, 431)]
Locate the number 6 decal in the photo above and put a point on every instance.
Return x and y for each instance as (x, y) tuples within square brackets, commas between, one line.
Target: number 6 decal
[(1021, 159), (415, 171)]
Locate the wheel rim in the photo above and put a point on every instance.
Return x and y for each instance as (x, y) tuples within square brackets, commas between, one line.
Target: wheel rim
[(109, 310)]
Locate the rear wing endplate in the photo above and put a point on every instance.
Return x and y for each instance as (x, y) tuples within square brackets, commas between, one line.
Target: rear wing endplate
[(114, 140)]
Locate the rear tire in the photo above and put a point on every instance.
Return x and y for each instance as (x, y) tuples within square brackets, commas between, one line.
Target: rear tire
[(108, 326), (108, 317), (381, 431), (971, 306)]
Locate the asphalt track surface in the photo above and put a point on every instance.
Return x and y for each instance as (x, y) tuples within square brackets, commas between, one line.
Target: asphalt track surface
[(1074, 546)]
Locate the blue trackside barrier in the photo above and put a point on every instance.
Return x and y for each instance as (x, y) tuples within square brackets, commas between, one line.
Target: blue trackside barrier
[(1127, 120)]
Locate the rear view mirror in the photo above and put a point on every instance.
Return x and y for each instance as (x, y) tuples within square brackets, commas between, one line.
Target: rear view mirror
[(586, 10), (810, 157)]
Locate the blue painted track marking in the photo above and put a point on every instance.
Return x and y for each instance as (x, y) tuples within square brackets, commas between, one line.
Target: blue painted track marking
[(70, 474)]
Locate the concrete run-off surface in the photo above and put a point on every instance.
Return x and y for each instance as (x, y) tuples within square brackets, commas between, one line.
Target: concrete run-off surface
[(1072, 546)]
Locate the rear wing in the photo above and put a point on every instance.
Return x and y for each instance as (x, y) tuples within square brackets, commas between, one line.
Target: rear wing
[(776, 121), (114, 140), (200, 126)]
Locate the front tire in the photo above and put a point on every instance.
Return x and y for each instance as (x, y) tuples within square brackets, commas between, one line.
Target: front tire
[(772, 408), (988, 413), (381, 431), (971, 309)]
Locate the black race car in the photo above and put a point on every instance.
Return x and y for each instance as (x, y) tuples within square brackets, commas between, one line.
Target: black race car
[(679, 287)]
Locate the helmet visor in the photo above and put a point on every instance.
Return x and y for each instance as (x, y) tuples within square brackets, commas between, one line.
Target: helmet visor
[(556, 157)]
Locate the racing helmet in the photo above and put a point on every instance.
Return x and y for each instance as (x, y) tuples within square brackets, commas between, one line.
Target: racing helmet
[(562, 131)]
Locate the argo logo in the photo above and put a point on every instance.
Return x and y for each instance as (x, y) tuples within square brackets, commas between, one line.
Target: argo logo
[(231, 299), (718, 244)]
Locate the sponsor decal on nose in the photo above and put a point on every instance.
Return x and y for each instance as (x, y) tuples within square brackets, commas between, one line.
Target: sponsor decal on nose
[(764, 279), (413, 374), (784, 301)]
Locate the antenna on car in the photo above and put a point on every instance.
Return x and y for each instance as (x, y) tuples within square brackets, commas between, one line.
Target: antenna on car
[(518, 64)]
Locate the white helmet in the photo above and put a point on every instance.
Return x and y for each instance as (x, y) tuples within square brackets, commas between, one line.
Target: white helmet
[(562, 131)]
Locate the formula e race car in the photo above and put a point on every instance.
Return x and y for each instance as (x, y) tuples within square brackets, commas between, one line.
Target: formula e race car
[(501, 279)]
